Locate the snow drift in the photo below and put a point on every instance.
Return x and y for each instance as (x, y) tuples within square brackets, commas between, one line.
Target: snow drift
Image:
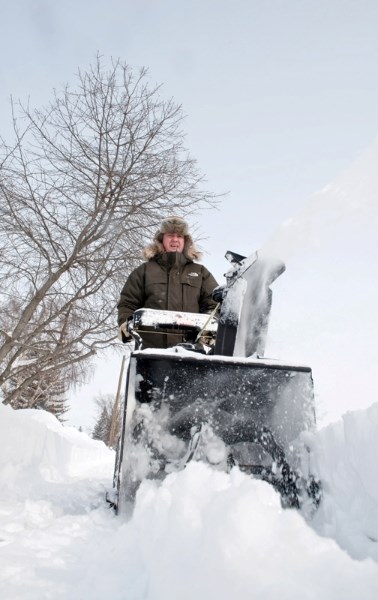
[(201, 534), (36, 449)]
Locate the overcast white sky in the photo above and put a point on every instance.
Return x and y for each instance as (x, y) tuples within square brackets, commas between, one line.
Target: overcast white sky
[(281, 97)]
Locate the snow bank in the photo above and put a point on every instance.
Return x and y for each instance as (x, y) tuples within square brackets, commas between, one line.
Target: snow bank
[(205, 534), (201, 534), (36, 448), (346, 461)]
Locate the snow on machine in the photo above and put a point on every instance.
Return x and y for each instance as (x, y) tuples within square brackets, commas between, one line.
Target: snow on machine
[(214, 397)]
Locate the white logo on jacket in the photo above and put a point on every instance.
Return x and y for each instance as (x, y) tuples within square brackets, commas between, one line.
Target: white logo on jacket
[(193, 274)]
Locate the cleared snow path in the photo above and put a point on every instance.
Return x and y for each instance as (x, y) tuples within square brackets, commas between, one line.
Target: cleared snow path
[(202, 534)]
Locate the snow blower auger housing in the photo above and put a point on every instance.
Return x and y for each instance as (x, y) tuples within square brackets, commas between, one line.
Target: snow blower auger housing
[(219, 402)]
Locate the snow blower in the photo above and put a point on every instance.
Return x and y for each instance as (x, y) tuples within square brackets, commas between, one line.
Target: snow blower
[(215, 397)]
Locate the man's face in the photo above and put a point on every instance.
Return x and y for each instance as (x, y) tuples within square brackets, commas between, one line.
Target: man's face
[(173, 242)]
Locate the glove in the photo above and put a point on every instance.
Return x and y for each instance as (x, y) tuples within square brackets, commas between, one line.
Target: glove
[(123, 333), (218, 293)]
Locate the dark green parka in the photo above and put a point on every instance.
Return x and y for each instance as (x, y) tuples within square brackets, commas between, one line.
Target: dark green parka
[(168, 281)]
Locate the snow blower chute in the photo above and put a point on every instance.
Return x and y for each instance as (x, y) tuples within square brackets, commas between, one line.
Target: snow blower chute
[(217, 401)]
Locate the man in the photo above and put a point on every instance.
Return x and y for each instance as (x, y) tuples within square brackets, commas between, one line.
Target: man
[(169, 280)]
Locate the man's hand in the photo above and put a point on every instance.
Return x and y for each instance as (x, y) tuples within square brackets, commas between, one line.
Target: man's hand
[(123, 333), (218, 293)]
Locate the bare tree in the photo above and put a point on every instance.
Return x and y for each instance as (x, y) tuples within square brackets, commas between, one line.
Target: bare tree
[(105, 416), (86, 181), (43, 390)]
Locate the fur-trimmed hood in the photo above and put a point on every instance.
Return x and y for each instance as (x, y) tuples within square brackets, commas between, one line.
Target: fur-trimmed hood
[(172, 224), (156, 247)]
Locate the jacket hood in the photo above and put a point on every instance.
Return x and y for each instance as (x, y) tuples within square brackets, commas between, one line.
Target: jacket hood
[(156, 247)]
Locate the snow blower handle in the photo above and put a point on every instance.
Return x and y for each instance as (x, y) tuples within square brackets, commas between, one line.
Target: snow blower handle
[(211, 316), (135, 335)]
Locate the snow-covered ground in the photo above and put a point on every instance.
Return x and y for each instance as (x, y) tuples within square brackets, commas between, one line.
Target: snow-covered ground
[(202, 534)]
